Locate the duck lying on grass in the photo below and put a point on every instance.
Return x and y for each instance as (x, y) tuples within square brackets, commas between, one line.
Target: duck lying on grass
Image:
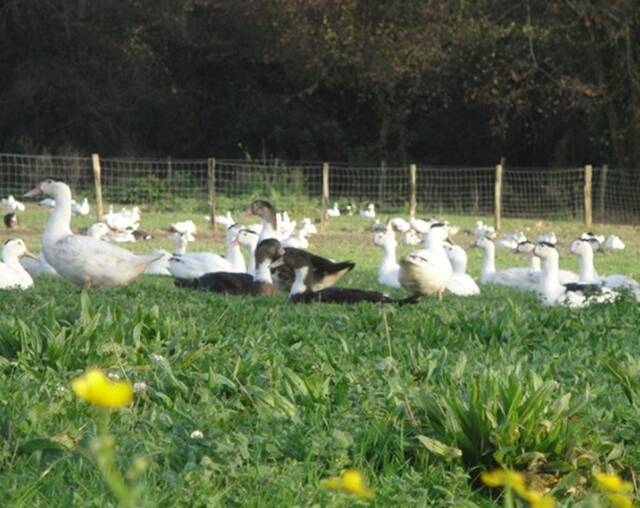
[(235, 283)]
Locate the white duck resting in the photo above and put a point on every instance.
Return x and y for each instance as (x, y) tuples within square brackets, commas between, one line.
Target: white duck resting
[(527, 279), (80, 259), (427, 271), (10, 204), (191, 265), (461, 283), (334, 212), (583, 248), (370, 211), (552, 292), (389, 269), (12, 273)]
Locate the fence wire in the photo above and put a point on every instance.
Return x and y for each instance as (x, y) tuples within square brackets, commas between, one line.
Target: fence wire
[(183, 185), (443, 190), (539, 192)]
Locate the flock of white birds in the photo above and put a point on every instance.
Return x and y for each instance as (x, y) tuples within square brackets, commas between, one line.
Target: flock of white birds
[(438, 263)]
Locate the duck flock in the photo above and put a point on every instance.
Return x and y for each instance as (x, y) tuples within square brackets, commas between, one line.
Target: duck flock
[(278, 259)]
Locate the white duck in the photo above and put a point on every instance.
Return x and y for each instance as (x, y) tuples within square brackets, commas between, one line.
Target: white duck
[(427, 271), (122, 220), (389, 270), (521, 278), (552, 292), (82, 208), (370, 211), (334, 212), (410, 237), (161, 265), (483, 230), (309, 227), (226, 220), (511, 241), (421, 226), (12, 273), (584, 250), (191, 265), (550, 238), (399, 224), (185, 227), (10, 204), (98, 230), (47, 203), (461, 283), (285, 225), (299, 241), (613, 242), (80, 259)]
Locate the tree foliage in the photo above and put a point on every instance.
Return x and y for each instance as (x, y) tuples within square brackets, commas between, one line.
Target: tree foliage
[(440, 81)]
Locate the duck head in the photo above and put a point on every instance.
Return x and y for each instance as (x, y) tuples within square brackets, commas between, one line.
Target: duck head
[(583, 246), (269, 250), (525, 248), (16, 247), (545, 250), (385, 237), (260, 208), (248, 238), (483, 242), (50, 187)]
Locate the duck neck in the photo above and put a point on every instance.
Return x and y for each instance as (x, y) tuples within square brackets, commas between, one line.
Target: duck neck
[(534, 264), (251, 265), (59, 224), (551, 280), (587, 270), (269, 229), (235, 257), (263, 272), (389, 257), (489, 260), (181, 245)]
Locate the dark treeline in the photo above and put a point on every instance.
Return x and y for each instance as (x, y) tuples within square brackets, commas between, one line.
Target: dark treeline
[(553, 82)]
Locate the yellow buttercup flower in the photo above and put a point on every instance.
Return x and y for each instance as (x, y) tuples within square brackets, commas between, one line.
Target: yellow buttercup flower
[(515, 481), (351, 481), (613, 483), (620, 500), (98, 389)]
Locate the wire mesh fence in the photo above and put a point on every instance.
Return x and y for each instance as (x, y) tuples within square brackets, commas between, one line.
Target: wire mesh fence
[(189, 185)]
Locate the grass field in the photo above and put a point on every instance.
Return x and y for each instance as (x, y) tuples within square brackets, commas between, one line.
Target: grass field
[(420, 398)]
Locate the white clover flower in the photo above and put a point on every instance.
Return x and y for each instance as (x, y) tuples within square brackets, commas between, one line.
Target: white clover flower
[(140, 387), (156, 357), (61, 390), (197, 434), (113, 376)]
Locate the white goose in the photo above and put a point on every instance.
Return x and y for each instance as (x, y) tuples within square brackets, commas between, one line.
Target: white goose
[(483, 230), (427, 271), (389, 270), (399, 224), (80, 259), (10, 204), (299, 241), (552, 292), (461, 283), (226, 220), (12, 273), (191, 265), (185, 227), (98, 230), (584, 250)]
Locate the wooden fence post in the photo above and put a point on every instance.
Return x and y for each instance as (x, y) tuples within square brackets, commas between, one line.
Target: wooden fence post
[(211, 179), (95, 158), (497, 207), (588, 177), (325, 196), (603, 189), (413, 201)]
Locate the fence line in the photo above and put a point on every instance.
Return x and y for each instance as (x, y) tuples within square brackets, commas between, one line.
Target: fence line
[(207, 185)]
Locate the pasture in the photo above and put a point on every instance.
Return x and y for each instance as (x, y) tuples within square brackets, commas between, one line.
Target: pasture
[(421, 399)]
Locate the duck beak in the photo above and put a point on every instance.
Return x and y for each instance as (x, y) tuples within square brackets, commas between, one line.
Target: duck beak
[(30, 254), (33, 192)]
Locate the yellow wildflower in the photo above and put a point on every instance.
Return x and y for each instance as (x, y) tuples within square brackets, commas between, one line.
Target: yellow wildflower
[(613, 483), (351, 482), (620, 500), (515, 481), (98, 389)]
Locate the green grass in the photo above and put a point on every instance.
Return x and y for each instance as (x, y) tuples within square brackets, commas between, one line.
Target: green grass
[(287, 395)]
